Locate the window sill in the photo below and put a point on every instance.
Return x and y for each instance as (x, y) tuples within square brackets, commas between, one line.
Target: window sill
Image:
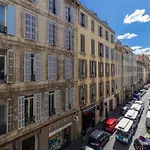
[(83, 53)]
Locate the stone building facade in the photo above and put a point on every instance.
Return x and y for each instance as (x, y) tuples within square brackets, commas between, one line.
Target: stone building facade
[(38, 105)]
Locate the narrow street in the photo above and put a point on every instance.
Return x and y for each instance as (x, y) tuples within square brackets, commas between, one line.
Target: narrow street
[(113, 144)]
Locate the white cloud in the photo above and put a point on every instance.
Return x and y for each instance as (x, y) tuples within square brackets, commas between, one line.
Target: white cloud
[(140, 50), (136, 47), (137, 16), (126, 36)]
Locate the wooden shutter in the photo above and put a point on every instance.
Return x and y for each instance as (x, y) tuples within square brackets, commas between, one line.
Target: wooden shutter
[(72, 40), (51, 33), (66, 99), (72, 97), (86, 21), (9, 115), (46, 105), (10, 19), (10, 66), (85, 68), (37, 107), (72, 15), (66, 68), (58, 4), (79, 17), (55, 34), (80, 68), (27, 67), (38, 67), (21, 113), (50, 67), (58, 101), (90, 68)]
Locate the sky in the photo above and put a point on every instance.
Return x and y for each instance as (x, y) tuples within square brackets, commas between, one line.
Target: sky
[(130, 19)]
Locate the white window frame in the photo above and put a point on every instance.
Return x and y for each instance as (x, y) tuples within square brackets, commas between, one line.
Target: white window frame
[(54, 33)]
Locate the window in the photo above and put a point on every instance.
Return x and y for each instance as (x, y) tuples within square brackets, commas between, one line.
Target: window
[(30, 26), (107, 69), (112, 53), (93, 92), (92, 47), (68, 68), (33, 1), (82, 94), (2, 120), (52, 33), (69, 39), (113, 85), (112, 39), (101, 89), (54, 6), (107, 36), (93, 68), (2, 68), (92, 26), (70, 12), (83, 20), (52, 67), (2, 15), (29, 116), (107, 51), (112, 69), (29, 109), (9, 115), (101, 69), (82, 68), (100, 29), (32, 67), (7, 19), (100, 49), (82, 43), (107, 87), (69, 98)]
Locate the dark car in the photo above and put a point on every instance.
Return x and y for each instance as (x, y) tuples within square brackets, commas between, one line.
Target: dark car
[(142, 143), (98, 139), (124, 109)]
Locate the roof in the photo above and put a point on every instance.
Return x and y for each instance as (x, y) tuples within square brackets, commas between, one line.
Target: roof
[(131, 114), (124, 125), (96, 133), (138, 102), (110, 120), (136, 106)]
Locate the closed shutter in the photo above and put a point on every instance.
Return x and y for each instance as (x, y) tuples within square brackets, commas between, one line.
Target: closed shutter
[(10, 65), (27, 67), (79, 17), (72, 15), (90, 68), (99, 69), (86, 21), (9, 115), (51, 33), (102, 69), (58, 4), (66, 69), (70, 68), (85, 68), (50, 67), (72, 97), (95, 68), (67, 39), (21, 113), (37, 107), (80, 68), (66, 99), (58, 101), (55, 34), (72, 40), (10, 19), (38, 67), (46, 105)]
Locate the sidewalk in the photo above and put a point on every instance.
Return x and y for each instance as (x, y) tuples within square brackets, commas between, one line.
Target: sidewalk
[(100, 126)]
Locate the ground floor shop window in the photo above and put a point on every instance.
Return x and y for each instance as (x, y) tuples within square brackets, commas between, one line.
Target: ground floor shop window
[(29, 144), (59, 140)]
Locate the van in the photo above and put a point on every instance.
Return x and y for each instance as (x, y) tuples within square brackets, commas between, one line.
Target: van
[(125, 130)]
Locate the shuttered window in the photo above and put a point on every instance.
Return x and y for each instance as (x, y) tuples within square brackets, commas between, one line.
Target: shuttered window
[(52, 33), (107, 52), (92, 47), (68, 68), (58, 101), (54, 6), (32, 67), (9, 115), (82, 43), (46, 105), (70, 12), (52, 67), (68, 39), (93, 68), (100, 49), (37, 107), (92, 26), (30, 26), (83, 19), (101, 89), (101, 69), (21, 114), (93, 92), (82, 68), (100, 31), (82, 94)]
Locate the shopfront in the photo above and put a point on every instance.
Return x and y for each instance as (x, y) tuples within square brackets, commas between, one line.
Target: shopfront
[(88, 118)]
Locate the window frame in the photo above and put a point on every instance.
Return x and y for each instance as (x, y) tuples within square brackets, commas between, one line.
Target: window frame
[(54, 33), (92, 25), (92, 47), (5, 67), (107, 35), (82, 40), (5, 24)]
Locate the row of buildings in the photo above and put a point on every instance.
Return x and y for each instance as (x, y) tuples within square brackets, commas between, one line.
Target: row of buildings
[(61, 72)]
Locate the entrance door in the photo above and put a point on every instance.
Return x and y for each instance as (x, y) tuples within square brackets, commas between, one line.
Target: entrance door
[(29, 144), (110, 105)]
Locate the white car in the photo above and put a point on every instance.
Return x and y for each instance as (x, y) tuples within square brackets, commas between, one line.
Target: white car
[(86, 148), (139, 102)]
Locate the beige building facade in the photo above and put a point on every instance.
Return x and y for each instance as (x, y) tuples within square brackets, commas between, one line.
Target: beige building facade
[(37, 77), (96, 79)]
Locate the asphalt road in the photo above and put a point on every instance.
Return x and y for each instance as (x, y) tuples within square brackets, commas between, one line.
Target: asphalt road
[(141, 130)]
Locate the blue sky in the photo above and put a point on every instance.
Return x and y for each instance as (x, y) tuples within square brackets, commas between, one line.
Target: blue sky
[(133, 28)]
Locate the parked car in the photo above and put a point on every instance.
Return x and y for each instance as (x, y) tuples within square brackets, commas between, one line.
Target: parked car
[(135, 99), (148, 120), (86, 148), (146, 87), (142, 143), (124, 109), (139, 102), (137, 95), (98, 139), (110, 124), (142, 92)]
